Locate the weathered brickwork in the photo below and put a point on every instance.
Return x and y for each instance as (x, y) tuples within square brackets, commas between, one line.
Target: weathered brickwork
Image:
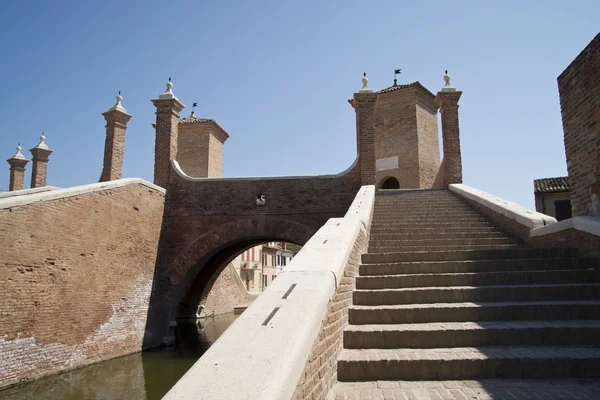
[(448, 102), (587, 244), (75, 277), (320, 372), (114, 145), (227, 292), (406, 127), (579, 87)]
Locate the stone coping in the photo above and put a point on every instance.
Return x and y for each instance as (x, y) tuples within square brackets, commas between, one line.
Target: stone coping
[(263, 353), (73, 191), (531, 219), (24, 192), (587, 224), (177, 168)]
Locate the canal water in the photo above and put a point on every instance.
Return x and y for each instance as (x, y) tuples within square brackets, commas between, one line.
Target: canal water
[(145, 376)]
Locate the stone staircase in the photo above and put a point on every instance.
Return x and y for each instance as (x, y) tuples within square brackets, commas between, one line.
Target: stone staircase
[(444, 294)]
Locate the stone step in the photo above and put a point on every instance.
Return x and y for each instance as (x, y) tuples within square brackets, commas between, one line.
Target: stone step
[(461, 294), (403, 231), (448, 240), (463, 312), (469, 363), (473, 334), (471, 266), (445, 226), (482, 234), (441, 247), (481, 389), (467, 255), (403, 220), (441, 213), (477, 279)]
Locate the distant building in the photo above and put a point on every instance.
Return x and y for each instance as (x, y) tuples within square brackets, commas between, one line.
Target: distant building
[(259, 265), (552, 197)]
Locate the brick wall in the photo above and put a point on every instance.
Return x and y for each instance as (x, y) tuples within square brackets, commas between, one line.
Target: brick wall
[(193, 149), (75, 277), (429, 145), (579, 87), (215, 157), (319, 375), (588, 244), (227, 292)]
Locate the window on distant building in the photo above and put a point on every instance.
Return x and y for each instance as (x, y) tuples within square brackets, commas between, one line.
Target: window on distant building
[(264, 259), (283, 261), (264, 281)]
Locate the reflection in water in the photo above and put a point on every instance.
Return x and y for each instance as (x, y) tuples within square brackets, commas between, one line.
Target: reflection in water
[(146, 376)]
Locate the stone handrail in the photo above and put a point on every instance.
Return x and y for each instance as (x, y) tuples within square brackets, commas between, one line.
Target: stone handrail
[(586, 224), (529, 218), (263, 353), (33, 197), (24, 192)]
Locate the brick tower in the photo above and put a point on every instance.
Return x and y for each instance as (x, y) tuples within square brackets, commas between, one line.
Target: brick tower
[(406, 137), (200, 147)]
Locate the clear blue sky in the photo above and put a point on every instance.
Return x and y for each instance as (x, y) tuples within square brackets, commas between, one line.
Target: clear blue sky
[(276, 76)]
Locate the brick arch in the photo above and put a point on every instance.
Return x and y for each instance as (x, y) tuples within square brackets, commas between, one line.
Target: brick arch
[(197, 265)]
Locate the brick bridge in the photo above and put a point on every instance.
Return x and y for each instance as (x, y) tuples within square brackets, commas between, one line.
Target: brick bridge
[(154, 254), (208, 222)]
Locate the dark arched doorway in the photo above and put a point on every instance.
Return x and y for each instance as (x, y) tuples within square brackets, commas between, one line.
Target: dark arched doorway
[(391, 183)]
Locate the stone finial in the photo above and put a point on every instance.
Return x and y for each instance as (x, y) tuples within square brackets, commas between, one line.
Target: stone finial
[(168, 94), (18, 155), (448, 87), (365, 82), (118, 106), (42, 144)]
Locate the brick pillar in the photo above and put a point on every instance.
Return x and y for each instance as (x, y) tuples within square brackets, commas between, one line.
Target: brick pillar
[(40, 154), (17, 170), (114, 145), (447, 99), (364, 105), (167, 121), (579, 88)]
